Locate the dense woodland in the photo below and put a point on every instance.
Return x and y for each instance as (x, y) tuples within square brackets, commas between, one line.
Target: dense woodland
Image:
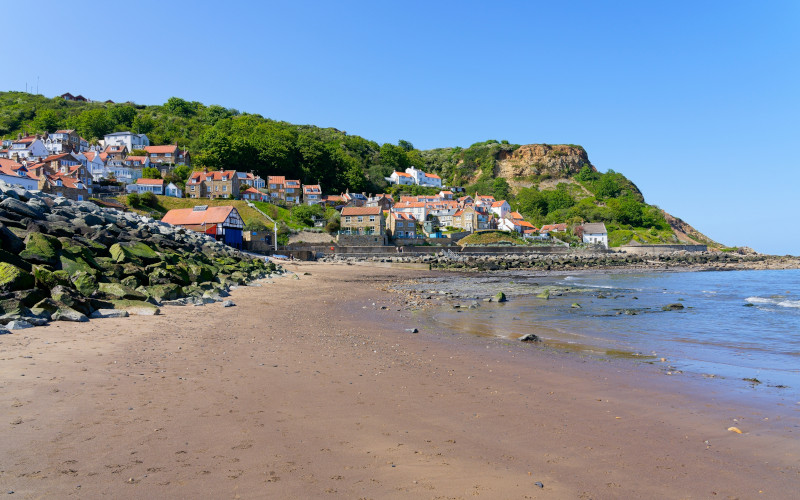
[(225, 138)]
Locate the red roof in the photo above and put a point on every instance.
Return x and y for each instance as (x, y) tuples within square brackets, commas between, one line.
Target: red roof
[(276, 179), (402, 174), (433, 175), (136, 158), (169, 148), (189, 216), (251, 190), (403, 216), (216, 175), (498, 203), (150, 182), (554, 227), (361, 211)]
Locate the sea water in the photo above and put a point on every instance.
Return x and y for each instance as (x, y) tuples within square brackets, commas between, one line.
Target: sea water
[(741, 325)]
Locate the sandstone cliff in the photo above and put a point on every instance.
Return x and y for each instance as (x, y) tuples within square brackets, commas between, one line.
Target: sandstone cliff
[(530, 162)]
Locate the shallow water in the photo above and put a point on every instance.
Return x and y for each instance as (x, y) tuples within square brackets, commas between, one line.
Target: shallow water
[(742, 325)]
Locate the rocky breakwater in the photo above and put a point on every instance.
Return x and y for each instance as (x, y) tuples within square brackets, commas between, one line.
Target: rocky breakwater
[(581, 259), (69, 261)]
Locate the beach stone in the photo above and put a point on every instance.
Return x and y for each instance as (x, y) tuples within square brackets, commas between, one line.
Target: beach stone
[(136, 307), (545, 294), (69, 314), (109, 313), (575, 305), (672, 307), (4, 330), (21, 208), (500, 297), (18, 325), (228, 303), (10, 241), (530, 337), (120, 291), (412, 330)]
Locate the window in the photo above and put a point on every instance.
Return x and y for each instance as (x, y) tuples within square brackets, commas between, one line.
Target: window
[(360, 219), (224, 188), (193, 188), (347, 219), (372, 218), (399, 224)]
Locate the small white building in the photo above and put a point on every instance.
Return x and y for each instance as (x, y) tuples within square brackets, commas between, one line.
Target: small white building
[(172, 190), (401, 178), (500, 208), (30, 147), (93, 163), (129, 139), (595, 233)]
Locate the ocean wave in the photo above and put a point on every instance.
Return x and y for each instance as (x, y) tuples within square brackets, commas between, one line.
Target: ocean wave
[(779, 302), (760, 300)]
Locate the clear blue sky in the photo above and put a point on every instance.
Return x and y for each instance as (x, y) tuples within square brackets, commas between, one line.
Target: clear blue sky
[(696, 102)]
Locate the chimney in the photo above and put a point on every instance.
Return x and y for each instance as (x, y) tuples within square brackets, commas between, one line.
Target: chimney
[(19, 136)]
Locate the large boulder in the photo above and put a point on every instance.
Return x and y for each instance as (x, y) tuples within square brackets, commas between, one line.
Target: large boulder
[(22, 208), (9, 241), (85, 283), (120, 291), (41, 249), (13, 278), (136, 307), (133, 251)]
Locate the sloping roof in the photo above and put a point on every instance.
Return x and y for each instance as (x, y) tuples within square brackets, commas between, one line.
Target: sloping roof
[(168, 148), (276, 179), (251, 190), (594, 228), (499, 203), (312, 188), (361, 211), (554, 227), (515, 215), (403, 216), (402, 174), (433, 176), (150, 182), (189, 216), (141, 159)]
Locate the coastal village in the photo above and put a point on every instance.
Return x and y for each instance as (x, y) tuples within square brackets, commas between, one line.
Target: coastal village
[(62, 163)]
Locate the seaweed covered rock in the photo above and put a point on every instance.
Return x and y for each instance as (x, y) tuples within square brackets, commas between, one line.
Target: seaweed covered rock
[(13, 278)]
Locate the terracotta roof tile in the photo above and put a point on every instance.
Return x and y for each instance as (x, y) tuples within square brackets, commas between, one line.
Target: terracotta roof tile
[(188, 216), (361, 211)]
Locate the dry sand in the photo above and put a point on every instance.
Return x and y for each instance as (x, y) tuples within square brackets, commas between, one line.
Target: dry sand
[(301, 392)]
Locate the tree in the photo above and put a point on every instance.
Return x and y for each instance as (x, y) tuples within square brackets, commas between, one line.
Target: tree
[(151, 173), (179, 107), (500, 189), (133, 199), (94, 123), (122, 116), (405, 145), (46, 120), (394, 157), (609, 186), (149, 199)]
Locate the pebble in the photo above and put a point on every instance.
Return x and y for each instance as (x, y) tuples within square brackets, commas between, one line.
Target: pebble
[(412, 330), (228, 303), (539, 484)]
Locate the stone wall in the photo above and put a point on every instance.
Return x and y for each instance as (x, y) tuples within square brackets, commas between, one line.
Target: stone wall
[(660, 249)]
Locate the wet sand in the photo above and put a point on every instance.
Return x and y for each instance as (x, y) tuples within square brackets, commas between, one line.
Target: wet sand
[(307, 390)]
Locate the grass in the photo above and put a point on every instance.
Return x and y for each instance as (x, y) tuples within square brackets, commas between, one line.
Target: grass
[(618, 236), (493, 238)]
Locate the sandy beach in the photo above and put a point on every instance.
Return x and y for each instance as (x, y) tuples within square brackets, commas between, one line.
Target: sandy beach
[(308, 389)]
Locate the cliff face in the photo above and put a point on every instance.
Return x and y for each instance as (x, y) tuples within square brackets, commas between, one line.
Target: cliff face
[(557, 161)]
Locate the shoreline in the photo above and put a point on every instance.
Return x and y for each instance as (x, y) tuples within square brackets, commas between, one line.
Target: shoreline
[(334, 398)]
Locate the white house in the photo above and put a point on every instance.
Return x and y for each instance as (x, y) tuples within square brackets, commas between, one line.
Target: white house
[(423, 179), (172, 190), (595, 233), (500, 208), (155, 186), (509, 224), (94, 164), (312, 194), (16, 174), (30, 147), (418, 209), (401, 178), (124, 173), (129, 139)]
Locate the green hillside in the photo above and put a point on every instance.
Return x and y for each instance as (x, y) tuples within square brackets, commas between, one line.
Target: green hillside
[(562, 187)]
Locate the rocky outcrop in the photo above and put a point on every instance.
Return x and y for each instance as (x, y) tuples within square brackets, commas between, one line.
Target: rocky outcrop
[(65, 260), (686, 232), (531, 161)]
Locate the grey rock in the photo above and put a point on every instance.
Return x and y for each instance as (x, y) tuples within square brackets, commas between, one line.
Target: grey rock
[(18, 207), (228, 303), (18, 324), (530, 337), (4, 330), (109, 313), (412, 330), (69, 314)]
